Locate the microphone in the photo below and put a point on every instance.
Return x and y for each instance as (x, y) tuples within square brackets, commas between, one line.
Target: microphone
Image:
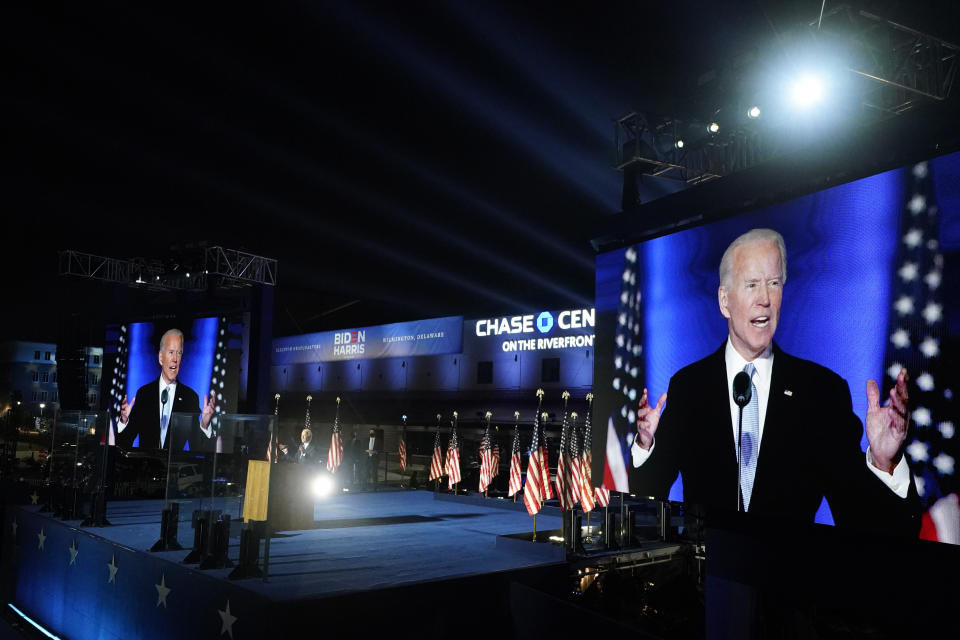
[(742, 389)]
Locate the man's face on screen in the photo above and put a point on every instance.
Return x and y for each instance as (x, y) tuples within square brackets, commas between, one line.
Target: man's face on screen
[(751, 302), (170, 358)]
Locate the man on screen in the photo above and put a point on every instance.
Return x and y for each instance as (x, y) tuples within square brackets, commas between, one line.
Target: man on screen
[(800, 438), (158, 400)]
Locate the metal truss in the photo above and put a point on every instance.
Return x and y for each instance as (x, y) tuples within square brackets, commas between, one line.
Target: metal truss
[(239, 267), (227, 266), (900, 68), (905, 65)]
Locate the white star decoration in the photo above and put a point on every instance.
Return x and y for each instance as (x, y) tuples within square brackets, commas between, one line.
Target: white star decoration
[(944, 464), (932, 313), (904, 305), (900, 339), (162, 591), (73, 552), (921, 415), (112, 566), (631, 255), (34, 497), (626, 275), (946, 429), (894, 370), (42, 539), (932, 279), (925, 382), (908, 271), (913, 238), (227, 620), (917, 204), (929, 347), (624, 298), (918, 451), (920, 170)]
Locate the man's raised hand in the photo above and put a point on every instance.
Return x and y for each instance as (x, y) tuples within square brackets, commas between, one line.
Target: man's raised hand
[(887, 424), (125, 410), (647, 419), (209, 406)]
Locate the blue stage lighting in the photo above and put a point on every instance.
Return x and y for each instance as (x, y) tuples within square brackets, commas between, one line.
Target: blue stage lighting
[(28, 619)]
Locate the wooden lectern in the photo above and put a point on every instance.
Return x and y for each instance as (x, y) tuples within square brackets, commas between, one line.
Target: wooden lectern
[(280, 493)]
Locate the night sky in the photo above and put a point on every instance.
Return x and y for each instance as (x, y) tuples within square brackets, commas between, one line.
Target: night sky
[(399, 160)]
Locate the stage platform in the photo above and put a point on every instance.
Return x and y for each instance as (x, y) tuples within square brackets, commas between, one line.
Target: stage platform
[(370, 556)]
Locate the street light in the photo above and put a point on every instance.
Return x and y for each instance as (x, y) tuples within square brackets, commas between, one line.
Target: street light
[(42, 405)]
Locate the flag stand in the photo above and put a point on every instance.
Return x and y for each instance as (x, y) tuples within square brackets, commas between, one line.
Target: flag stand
[(534, 527)]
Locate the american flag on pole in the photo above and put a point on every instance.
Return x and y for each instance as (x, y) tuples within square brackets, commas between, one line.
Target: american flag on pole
[(546, 491), (576, 463), (494, 456), (601, 496), (336, 443), (486, 457), (533, 490), (402, 447), (918, 339), (564, 471), (516, 481), (436, 461), (587, 497), (453, 456), (272, 453)]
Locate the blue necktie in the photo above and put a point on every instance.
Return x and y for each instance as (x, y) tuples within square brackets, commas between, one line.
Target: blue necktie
[(750, 442), (164, 415)]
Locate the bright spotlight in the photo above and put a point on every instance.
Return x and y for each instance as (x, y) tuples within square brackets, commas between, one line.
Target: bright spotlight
[(322, 485), (754, 112), (807, 91), (713, 128), (679, 143)]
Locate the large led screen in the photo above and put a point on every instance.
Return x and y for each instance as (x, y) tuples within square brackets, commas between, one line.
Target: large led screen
[(871, 286)]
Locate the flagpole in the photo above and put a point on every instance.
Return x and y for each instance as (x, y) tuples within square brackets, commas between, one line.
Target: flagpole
[(534, 527)]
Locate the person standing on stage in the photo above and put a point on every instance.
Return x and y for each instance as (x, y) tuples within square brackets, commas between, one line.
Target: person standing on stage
[(149, 418), (307, 452), (371, 459), (801, 439)]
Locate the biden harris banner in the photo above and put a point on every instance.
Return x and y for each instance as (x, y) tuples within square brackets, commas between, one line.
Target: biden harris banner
[(435, 336)]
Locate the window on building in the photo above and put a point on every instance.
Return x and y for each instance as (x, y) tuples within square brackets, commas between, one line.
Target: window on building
[(34, 396), (36, 376), (43, 396), (46, 355), (54, 376), (45, 376), (96, 359), (36, 355), (550, 370), (93, 399), (485, 372), (56, 396)]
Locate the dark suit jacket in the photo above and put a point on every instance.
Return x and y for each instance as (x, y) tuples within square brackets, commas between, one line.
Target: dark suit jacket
[(145, 419), (810, 449), (310, 456)]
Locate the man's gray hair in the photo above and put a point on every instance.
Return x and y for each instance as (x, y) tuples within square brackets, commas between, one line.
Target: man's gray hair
[(754, 236), (170, 332)]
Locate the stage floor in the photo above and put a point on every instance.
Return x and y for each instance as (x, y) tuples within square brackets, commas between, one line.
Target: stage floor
[(360, 541)]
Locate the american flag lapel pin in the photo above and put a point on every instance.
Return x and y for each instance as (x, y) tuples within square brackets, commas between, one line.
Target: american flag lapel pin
[(788, 392)]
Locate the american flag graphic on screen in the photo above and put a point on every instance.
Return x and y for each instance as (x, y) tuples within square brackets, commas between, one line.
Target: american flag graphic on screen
[(917, 341), (628, 371), (336, 443), (118, 384)]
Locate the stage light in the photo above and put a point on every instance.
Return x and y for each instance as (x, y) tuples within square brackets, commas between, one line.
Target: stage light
[(754, 112), (322, 485), (713, 128), (679, 143), (807, 91)]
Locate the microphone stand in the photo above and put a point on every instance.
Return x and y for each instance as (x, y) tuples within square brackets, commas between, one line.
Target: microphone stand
[(739, 454)]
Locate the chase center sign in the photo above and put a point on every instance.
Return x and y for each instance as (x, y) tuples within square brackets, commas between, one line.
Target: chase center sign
[(547, 330)]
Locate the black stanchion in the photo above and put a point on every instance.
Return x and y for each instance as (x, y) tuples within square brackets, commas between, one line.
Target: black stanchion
[(169, 526), (218, 543), (98, 513), (200, 523), (249, 563)]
